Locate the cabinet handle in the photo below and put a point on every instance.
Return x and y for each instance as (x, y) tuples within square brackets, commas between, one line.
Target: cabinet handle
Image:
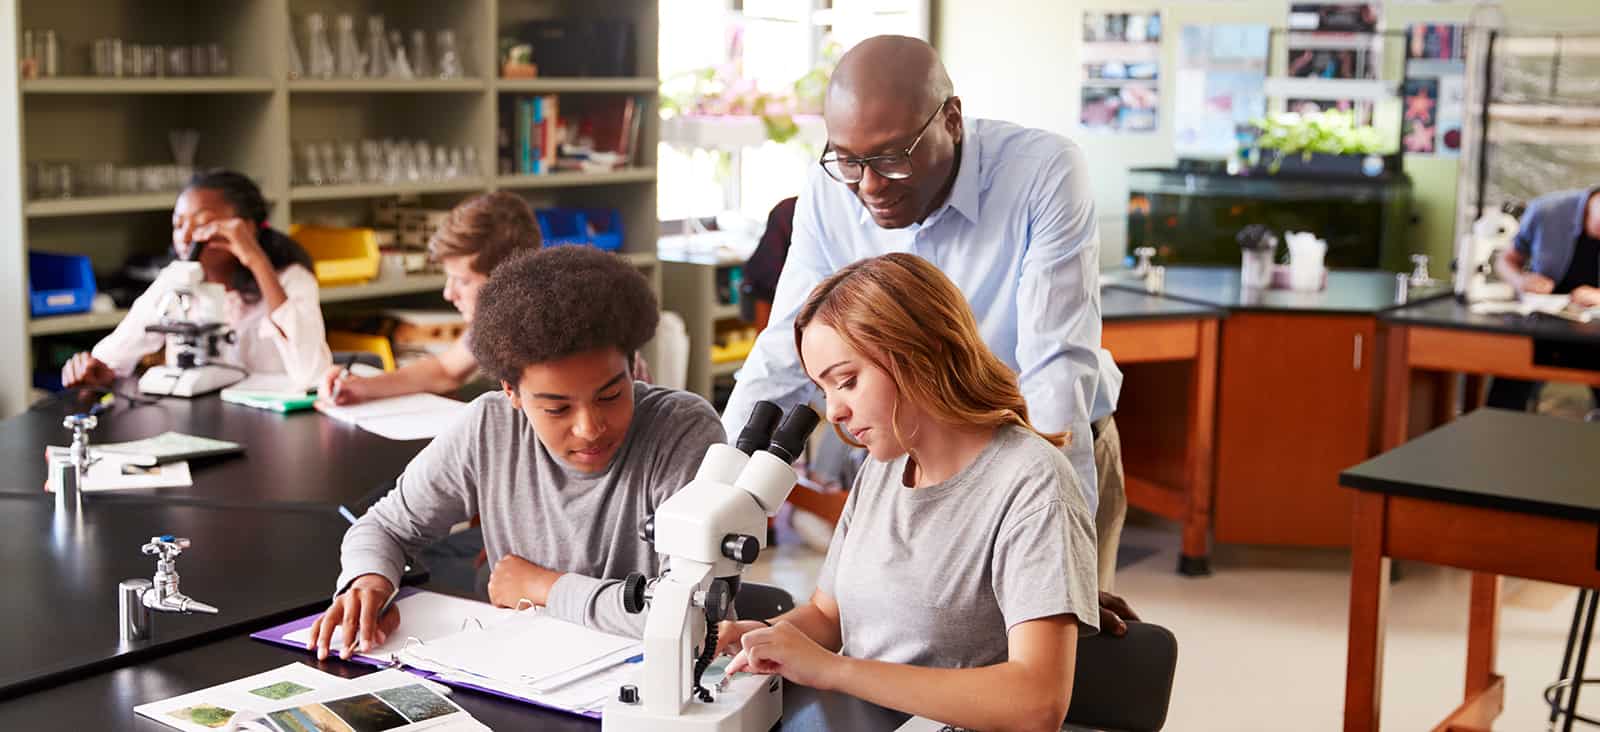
[(1356, 364)]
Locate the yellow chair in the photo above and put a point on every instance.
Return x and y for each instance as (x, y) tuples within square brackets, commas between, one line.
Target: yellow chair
[(362, 343)]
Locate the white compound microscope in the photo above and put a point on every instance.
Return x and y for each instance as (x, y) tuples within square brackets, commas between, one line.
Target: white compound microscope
[(191, 316), (1475, 255), (707, 533)]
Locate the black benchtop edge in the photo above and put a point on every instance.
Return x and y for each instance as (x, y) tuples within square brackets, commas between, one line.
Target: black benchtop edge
[(1568, 336), (78, 672), (140, 498), (1408, 489)]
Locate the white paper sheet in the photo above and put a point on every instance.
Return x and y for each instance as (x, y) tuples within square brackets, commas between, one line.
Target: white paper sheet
[(426, 616), (525, 649), (419, 426), (121, 472)]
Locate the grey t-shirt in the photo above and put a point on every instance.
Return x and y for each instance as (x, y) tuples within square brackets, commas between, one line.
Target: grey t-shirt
[(937, 576), (491, 464)]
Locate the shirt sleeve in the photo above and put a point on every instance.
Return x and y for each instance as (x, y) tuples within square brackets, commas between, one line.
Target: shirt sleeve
[(122, 349), (437, 491), (772, 372), (295, 328), (1044, 562), (681, 442), (1058, 302)]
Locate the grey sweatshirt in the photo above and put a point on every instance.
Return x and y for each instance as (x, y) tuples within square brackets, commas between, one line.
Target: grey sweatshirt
[(491, 464)]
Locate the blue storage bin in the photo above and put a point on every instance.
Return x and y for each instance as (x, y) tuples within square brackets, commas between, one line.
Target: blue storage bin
[(600, 228), (59, 284)]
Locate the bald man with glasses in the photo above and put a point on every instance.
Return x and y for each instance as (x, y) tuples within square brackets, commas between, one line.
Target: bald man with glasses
[(1005, 211)]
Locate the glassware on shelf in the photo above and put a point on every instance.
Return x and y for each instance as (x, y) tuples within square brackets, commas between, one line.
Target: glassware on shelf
[(349, 166), (28, 59), (184, 143), (220, 64), (350, 63), (178, 61), (155, 60), (469, 162), (311, 166), (422, 159), (378, 56), (372, 160), (320, 53), (421, 65), (400, 67), (108, 57), (297, 68), (449, 58), (49, 56)]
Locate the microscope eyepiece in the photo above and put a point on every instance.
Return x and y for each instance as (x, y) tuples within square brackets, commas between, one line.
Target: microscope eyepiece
[(757, 432), (791, 436)]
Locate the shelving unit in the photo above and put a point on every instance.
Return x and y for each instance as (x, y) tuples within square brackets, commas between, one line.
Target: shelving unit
[(255, 120), (689, 288)]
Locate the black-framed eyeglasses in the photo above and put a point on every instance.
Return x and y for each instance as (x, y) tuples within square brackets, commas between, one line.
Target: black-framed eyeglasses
[(892, 166)]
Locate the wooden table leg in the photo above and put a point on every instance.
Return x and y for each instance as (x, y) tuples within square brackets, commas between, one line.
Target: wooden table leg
[(1444, 398), (1396, 393), (1472, 392), (1198, 473), (1369, 600), (1483, 632)]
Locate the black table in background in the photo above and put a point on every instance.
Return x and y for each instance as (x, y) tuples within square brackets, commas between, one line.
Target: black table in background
[(1349, 292), (1447, 313), (60, 601), (105, 701), (299, 458), (1119, 305)]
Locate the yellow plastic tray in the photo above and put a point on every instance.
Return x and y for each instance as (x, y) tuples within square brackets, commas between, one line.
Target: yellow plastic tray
[(340, 256)]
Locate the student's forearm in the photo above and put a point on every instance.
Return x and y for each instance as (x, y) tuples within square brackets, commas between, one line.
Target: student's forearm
[(1005, 696), (1508, 266), (272, 294), (815, 624)]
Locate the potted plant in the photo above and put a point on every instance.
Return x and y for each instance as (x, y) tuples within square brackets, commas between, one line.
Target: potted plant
[(1321, 144)]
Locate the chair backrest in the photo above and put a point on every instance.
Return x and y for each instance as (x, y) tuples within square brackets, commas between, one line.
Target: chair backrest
[(1124, 684), (756, 601)]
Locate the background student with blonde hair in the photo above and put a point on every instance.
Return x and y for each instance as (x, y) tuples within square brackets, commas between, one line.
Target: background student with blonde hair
[(964, 564)]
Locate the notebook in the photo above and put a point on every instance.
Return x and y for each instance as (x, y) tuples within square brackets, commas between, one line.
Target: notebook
[(523, 655), (113, 472), (410, 417), (273, 392), (298, 697)]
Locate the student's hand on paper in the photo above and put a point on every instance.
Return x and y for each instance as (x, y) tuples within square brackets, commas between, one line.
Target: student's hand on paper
[(1114, 612), (355, 612), (515, 579), (1536, 284), (1586, 296), (730, 631), (86, 370), (783, 649), (341, 388)]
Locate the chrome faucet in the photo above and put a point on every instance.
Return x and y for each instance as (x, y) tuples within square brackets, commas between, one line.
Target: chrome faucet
[(137, 598), (71, 472)]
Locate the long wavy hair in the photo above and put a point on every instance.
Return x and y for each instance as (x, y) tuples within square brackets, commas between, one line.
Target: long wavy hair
[(901, 313)]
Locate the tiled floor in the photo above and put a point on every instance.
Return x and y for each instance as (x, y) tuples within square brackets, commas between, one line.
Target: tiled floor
[(1262, 640)]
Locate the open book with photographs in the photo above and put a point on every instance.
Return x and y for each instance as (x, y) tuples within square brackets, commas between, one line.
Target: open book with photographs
[(299, 698), (524, 655)]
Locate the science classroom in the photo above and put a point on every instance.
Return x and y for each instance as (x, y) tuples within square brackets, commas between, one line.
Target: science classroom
[(800, 365)]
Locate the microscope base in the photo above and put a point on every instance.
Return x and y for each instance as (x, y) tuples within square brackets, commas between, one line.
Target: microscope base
[(748, 704), (191, 382)]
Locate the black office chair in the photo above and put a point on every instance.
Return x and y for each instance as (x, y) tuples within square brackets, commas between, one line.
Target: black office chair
[(756, 601), (1124, 684)]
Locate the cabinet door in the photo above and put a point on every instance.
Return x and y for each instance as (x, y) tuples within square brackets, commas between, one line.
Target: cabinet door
[(1294, 409)]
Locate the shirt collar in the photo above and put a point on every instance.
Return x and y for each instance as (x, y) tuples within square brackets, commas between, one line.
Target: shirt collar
[(964, 194), (1583, 211)]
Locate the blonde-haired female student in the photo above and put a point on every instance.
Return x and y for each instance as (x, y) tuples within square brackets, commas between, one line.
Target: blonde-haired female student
[(963, 568)]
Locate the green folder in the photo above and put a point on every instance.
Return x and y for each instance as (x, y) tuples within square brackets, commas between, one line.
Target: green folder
[(276, 404)]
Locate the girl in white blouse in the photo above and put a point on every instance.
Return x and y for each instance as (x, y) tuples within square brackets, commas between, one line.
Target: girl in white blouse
[(272, 303)]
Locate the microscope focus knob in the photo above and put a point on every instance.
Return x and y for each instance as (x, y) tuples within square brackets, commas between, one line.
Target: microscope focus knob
[(629, 694), (633, 593), (647, 530), (741, 548), (718, 600)]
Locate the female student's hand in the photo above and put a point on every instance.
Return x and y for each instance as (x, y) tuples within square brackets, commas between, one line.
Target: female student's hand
[(356, 611), (730, 631), (86, 370), (239, 238), (1586, 296), (515, 579), (783, 649)]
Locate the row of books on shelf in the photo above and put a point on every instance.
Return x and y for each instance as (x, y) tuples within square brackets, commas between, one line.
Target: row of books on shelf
[(538, 134)]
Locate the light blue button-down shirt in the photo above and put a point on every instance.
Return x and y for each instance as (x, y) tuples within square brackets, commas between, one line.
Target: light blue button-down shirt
[(1017, 236)]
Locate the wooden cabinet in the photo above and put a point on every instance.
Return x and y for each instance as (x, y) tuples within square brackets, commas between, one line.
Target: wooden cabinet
[(1295, 407)]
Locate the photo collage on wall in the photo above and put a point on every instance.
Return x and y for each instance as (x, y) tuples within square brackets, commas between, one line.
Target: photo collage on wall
[(1434, 93), (1218, 92), (1121, 72), (1333, 41)]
